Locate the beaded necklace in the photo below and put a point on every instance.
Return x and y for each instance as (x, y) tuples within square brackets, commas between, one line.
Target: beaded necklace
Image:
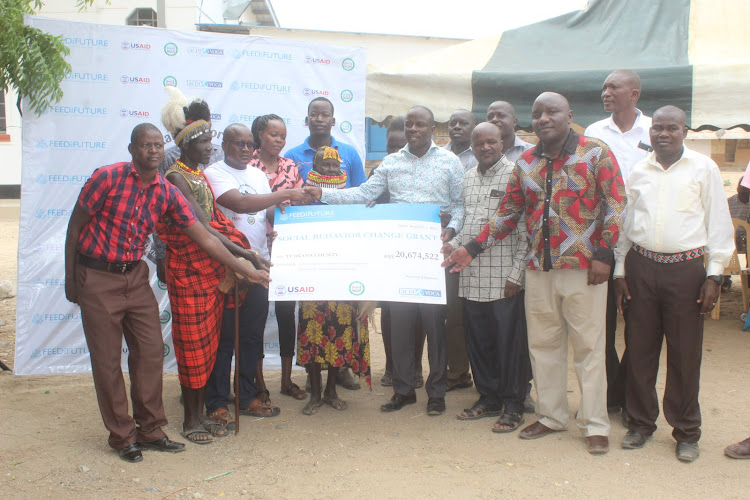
[(196, 171)]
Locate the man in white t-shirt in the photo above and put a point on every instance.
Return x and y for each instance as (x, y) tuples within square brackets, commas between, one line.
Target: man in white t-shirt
[(243, 195), (626, 132)]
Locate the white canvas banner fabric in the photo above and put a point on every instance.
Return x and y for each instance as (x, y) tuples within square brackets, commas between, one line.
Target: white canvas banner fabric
[(117, 81)]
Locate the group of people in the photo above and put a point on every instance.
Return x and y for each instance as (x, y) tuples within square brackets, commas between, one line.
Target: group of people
[(541, 242)]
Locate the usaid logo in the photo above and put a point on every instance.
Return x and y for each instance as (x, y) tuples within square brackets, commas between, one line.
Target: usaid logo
[(134, 113), (280, 290), (86, 77), (345, 127), (134, 80), (356, 288), (317, 60), (81, 111), (300, 289), (260, 87), (200, 51), (169, 81), (135, 46), (347, 95), (170, 49), (347, 64), (314, 92), (165, 317), (88, 43), (262, 54), (204, 84)]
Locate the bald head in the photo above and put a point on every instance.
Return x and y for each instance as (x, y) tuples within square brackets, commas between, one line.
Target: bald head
[(238, 146), (503, 114), (487, 144), (551, 118), (460, 125), (419, 125), (621, 91), (667, 133)]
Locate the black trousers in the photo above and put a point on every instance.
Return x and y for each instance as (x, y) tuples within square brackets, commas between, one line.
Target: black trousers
[(498, 351), (253, 313), (664, 305), (403, 341), (287, 327)]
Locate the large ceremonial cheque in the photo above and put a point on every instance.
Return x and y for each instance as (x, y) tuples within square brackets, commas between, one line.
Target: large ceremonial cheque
[(117, 81), (353, 252)]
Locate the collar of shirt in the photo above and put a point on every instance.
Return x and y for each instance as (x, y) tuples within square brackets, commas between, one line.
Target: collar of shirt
[(130, 170), (334, 144), (571, 143), (449, 148), (405, 150), (686, 153), (637, 124), (494, 168), (519, 143)]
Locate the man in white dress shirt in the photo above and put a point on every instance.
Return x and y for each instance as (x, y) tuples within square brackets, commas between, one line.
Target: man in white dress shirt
[(677, 212), (626, 134)]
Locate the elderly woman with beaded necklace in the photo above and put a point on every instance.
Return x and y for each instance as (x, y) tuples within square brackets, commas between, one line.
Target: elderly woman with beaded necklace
[(193, 279)]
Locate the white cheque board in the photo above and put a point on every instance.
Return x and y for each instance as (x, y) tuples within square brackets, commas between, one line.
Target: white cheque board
[(353, 252)]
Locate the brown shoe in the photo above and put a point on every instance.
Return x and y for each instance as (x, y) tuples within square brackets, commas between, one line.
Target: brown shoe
[(597, 445), (535, 431), (738, 450)]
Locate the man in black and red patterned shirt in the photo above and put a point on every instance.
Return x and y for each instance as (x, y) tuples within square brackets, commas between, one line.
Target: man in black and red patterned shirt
[(115, 213), (570, 188)]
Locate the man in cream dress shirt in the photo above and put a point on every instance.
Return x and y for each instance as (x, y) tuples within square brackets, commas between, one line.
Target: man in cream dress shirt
[(677, 212)]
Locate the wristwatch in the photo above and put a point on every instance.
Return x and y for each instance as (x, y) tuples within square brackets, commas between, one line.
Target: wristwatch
[(714, 277)]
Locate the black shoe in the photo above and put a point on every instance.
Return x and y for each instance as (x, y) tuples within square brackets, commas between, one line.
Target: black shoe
[(398, 401), (131, 453), (687, 452), (163, 444), (435, 406), (634, 440)]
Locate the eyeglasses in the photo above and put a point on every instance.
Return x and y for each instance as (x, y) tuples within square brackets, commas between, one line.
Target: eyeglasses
[(242, 144)]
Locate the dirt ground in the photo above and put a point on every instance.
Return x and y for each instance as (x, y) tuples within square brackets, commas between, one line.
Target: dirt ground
[(53, 444)]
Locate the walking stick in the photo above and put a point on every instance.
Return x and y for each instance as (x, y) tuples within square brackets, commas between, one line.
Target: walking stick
[(237, 357)]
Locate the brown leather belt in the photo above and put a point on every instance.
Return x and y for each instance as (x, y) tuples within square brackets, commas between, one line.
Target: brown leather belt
[(112, 267)]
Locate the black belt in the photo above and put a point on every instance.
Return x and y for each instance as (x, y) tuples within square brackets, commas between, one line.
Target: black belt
[(112, 267)]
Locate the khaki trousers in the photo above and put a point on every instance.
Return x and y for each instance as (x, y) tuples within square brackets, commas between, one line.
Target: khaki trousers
[(559, 304)]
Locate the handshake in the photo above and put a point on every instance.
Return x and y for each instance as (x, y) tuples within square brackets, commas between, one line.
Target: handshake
[(301, 196)]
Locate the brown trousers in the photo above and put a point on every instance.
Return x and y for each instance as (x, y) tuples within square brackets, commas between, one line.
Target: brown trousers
[(664, 305), (113, 305)]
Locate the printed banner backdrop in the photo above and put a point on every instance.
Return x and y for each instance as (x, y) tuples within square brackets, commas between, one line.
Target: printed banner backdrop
[(117, 79)]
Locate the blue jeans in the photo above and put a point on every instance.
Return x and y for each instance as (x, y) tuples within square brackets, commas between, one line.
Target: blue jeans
[(252, 314)]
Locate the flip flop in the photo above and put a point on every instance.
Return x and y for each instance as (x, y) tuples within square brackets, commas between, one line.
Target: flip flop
[(191, 433), (478, 411), (512, 420), (216, 430), (312, 407), (222, 417), (258, 409), (295, 392), (336, 403)]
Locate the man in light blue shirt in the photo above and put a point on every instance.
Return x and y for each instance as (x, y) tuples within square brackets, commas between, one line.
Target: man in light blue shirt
[(421, 172), (320, 121)]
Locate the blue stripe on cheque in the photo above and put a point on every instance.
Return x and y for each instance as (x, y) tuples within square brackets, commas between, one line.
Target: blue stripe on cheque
[(391, 211)]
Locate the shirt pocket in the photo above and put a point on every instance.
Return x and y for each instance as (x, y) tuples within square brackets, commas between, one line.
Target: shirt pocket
[(688, 196)]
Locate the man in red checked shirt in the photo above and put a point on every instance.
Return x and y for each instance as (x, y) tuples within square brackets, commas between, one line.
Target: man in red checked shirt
[(572, 192), (116, 211)]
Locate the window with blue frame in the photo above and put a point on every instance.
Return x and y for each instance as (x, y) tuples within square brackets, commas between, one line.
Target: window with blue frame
[(375, 140)]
